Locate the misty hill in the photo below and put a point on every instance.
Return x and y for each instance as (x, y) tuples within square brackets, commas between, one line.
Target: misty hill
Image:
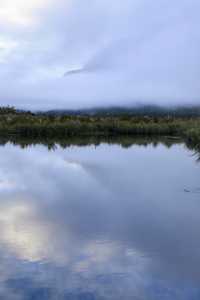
[(140, 111), (146, 110)]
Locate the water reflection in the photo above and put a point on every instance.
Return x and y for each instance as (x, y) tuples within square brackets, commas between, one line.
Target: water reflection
[(124, 141), (99, 223)]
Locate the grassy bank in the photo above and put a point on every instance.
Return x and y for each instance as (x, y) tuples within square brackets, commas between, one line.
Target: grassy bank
[(27, 124)]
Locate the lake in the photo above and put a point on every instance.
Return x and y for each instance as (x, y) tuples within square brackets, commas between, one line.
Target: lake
[(99, 222)]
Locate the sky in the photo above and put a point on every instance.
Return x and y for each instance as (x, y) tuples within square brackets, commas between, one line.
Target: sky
[(78, 54)]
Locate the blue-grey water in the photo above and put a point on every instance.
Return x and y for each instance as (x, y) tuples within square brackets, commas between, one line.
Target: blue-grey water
[(99, 223)]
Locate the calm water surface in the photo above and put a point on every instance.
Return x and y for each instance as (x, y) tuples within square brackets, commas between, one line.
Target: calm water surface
[(86, 223)]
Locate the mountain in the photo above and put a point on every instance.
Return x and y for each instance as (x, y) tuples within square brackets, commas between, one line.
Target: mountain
[(142, 110)]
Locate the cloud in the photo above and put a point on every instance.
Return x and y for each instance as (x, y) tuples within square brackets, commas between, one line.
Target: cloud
[(121, 53), (20, 12)]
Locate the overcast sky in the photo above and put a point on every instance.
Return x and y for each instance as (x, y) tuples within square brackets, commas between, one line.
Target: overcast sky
[(81, 53)]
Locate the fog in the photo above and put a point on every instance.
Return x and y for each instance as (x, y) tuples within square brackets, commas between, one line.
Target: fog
[(77, 54)]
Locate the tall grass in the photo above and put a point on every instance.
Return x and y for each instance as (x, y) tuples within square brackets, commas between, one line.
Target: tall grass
[(27, 124)]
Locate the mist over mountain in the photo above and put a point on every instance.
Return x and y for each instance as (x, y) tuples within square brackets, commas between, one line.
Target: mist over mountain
[(132, 111), (82, 54)]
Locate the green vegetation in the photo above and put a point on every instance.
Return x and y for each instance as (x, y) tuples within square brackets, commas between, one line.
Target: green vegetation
[(64, 126)]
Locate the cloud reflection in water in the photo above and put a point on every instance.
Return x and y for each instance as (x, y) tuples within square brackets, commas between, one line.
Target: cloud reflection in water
[(104, 223)]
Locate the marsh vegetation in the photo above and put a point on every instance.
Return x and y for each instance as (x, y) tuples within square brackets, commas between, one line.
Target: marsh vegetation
[(97, 126)]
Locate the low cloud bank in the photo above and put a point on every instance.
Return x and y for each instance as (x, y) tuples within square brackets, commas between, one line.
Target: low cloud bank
[(79, 55)]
